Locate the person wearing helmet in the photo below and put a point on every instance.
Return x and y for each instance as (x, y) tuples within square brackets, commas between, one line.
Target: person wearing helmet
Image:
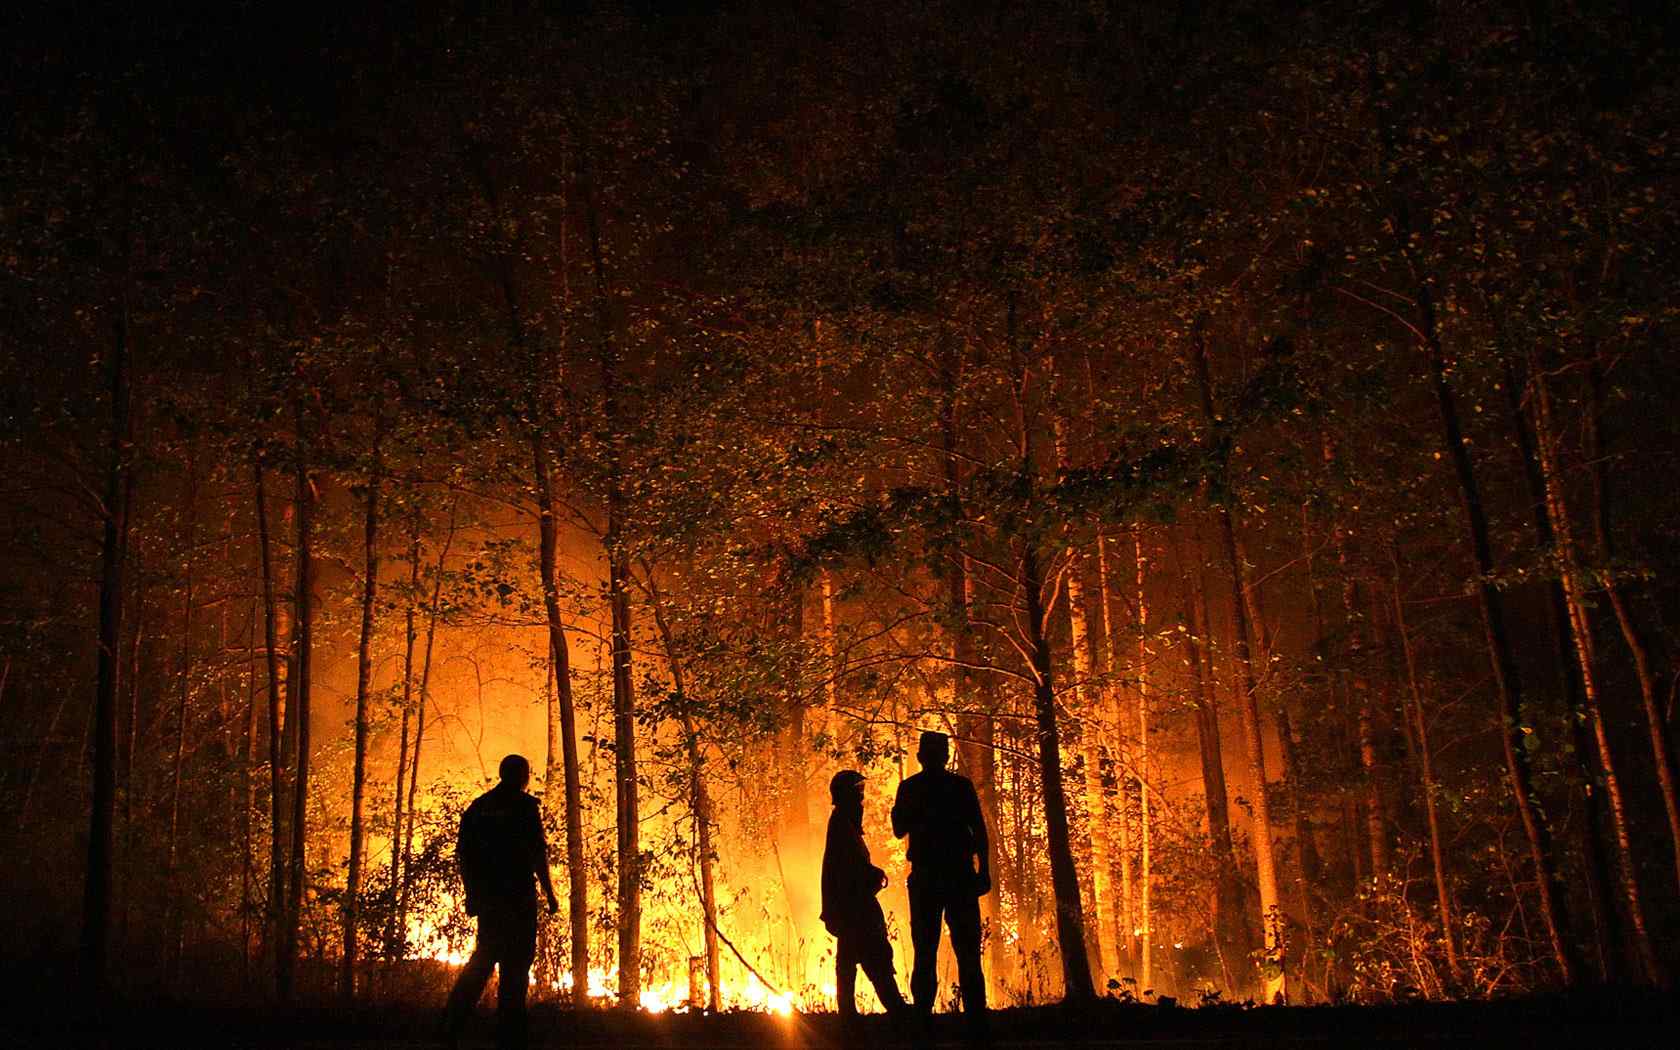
[(849, 908)]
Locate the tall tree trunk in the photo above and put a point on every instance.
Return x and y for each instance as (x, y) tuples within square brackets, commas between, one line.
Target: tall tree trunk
[(302, 630), (1100, 944), (700, 804), (364, 678), (1574, 592), (618, 600), (1145, 912), (96, 895), (1265, 862), (247, 765), (183, 694), (1307, 864), (1661, 754), (1064, 877), (276, 741), (1595, 866), (432, 607), (985, 783), (699, 800), (1508, 685), (1064, 874), (396, 938), (1359, 692), (629, 819), (1426, 772), (577, 872), (974, 745), (130, 741), (1229, 923), (1121, 916)]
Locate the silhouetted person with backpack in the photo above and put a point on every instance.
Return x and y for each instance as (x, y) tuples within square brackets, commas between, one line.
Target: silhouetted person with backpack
[(500, 850), (950, 869), (849, 908)]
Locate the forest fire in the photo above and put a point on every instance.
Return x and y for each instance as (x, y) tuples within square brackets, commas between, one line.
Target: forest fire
[(1081, 508), (427, 939)]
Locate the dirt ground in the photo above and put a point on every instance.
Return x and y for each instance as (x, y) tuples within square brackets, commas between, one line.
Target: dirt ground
[(1605, 1021)]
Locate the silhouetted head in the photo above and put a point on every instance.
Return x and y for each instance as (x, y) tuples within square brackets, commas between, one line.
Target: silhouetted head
[(515, 772), (846, 787), (934, 750)]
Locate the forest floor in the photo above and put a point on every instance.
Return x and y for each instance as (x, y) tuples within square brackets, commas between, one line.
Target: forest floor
[(1608, 1021)]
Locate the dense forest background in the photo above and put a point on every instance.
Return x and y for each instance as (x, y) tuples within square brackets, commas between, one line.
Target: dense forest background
[(1248, 428)]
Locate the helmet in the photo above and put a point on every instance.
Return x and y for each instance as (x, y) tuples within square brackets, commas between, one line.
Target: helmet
[(843, 782)]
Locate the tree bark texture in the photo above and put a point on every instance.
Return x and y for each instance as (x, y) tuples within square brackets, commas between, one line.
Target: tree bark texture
[(1574, 593), (1507, 683), (364, 679), (302, 655), (1248, 707), (577, 872), (96, 895)]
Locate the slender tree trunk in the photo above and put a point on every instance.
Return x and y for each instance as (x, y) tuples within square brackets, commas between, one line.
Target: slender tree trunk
[(1595, 866), (96, 896), (618, 572), (629, 819), (1229, 924), (1121, 910), (985, 783), (1574, 592), (302, 630), (1265, 862), (247, 765), (831, 642), (276, 740), (700, 804), (1099, 942), (577, 872), (974, 745), (183, 693), (1064, 877), (1508, 684), (1359, 690), (1426, 772), (559, 651), (1064, 874), (1307, 865), (1146, 913), (364, 678), (396, 939), (1661, 754), (432, 609)]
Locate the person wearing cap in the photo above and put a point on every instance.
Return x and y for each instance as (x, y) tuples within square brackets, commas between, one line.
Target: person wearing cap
[(950, 870), (849, 908), (503, 854)]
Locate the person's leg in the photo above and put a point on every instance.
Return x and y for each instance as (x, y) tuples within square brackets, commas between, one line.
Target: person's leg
[(962, 914), (845, 978), (518, 951), (877, 962), (925, 909), (469, 985)]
